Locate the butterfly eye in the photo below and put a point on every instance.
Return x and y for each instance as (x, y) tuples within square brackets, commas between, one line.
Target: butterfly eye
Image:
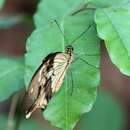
[(69, 49)]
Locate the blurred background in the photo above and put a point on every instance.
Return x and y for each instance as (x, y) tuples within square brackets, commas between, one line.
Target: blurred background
[(114, 92)]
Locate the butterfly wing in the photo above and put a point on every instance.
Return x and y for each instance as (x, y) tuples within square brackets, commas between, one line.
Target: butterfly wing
[(60, 66), (55, 75), (47, 80), (39, 78), (35, 83), (41, 101)]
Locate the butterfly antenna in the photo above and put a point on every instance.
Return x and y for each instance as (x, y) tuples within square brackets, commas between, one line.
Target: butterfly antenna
[(61, 30), (80, 34)]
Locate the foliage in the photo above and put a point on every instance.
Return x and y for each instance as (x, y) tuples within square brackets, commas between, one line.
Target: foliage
[(11, 76), (50, 11), (2, 3), (106, 110), (109, 21), (111, 111), (113, 27)]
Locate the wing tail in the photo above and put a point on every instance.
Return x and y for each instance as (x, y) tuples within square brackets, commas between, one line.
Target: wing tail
[(31, 110)]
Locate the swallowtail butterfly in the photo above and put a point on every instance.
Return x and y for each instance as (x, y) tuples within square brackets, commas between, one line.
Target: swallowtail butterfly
[(48, 78)]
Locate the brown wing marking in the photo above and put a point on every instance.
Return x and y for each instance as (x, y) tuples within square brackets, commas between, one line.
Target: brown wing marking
[(42, 100), (39, 76)]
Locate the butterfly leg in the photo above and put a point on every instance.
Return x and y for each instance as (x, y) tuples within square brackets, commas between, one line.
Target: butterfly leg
[(79, 58), (86, 54), (72, 83)]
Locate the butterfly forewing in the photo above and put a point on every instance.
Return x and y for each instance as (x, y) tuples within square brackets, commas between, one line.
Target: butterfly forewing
[(60, 66)]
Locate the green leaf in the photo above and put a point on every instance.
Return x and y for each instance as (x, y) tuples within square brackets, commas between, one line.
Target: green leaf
[(1, 3), (66, 108), (107, 110), (11, 76), (9, 21), (107, 3), (23, 124), (113, 26), (49, 10)]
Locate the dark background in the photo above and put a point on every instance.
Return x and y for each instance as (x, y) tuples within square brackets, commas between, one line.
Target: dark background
[(12, 42)]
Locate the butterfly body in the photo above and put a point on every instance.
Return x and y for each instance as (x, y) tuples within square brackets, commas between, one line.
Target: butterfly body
[(48, 78)]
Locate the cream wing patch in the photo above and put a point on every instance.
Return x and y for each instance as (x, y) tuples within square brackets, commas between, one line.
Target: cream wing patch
[(59, 66)]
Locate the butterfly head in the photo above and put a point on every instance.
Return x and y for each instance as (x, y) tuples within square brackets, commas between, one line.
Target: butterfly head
[(69, 49)]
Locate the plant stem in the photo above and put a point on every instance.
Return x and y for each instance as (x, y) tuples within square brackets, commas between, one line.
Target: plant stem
[(12, 112), (22, 97)]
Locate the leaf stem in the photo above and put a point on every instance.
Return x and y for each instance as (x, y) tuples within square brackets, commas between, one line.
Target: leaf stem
[(83, 8)]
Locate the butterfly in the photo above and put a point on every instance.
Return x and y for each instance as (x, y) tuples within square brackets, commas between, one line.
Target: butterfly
[(49, 77)]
